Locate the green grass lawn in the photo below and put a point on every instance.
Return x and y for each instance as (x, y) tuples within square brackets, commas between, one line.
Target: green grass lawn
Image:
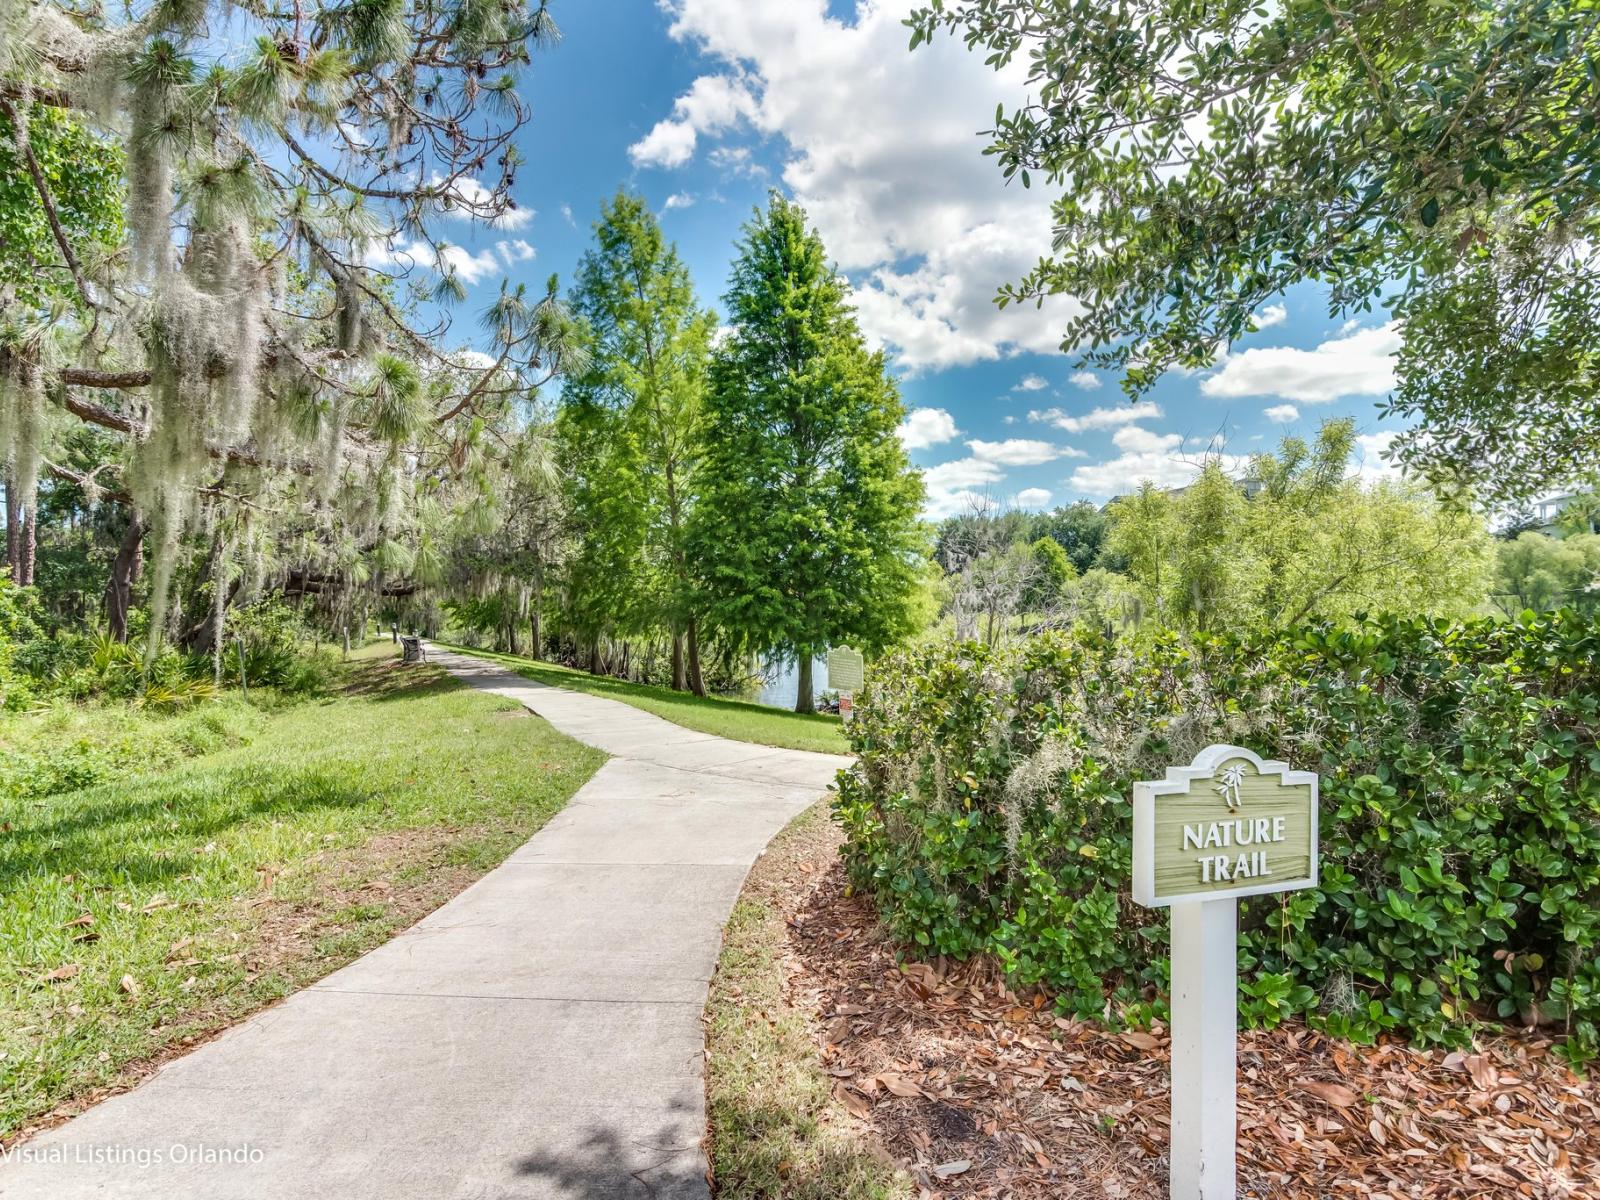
[(736, 719), (139, 915)]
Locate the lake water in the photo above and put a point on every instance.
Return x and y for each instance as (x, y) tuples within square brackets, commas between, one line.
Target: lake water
[(782, 686)]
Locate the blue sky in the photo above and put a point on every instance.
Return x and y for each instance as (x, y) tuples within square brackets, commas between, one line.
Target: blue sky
[(702, 105)]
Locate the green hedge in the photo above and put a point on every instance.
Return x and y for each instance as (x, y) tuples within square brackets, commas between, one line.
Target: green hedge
[(989, 813)]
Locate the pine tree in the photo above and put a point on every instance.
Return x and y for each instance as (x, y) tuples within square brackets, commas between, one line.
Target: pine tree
[(806, 532), (648, 344)]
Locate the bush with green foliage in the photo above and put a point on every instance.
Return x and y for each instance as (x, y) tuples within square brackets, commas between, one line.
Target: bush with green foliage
[(275, 646), (988, 813), (19, 628)]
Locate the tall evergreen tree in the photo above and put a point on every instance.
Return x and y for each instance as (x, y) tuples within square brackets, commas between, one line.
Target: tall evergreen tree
[(806, 532), (649, 341)]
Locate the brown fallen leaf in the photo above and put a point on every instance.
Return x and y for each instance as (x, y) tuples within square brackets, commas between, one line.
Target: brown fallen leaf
[(854, 1101), (897, 1085), (80, 920), (1331, 1093), (1141, 1041), (129, 985), (64, 971), (950, 1170)]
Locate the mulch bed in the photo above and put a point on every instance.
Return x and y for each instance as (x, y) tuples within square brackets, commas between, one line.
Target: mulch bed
[(981, 1092)]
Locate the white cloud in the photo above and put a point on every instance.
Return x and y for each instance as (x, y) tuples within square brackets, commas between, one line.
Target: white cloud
[(880, 147), (514, 251), (1033, 497), (669, 144), (1360, 363), (403, 257), (1369, 460), (713, 104), (679, 200), (736, 160), (1270, 315), (924, 427), (1087, 380), (1015, 452), (470, 199), (467, 266), (1146, 455), (1281, 414), (1100, 418), (938, 504), (474, 358), (566, 215), (1030, 383), (962, 473), (951, 487)]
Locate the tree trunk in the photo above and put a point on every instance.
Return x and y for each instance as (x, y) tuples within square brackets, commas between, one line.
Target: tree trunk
[(124, 571), (29, 544), (536, 632), (219, 602), (806, 700), (13, 530), (697, 681), (678, 681), (594, 656)]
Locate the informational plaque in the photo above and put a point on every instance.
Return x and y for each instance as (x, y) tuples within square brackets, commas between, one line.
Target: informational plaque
[(846, 669)]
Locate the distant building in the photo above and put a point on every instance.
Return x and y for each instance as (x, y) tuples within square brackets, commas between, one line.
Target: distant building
[(1548, 512)]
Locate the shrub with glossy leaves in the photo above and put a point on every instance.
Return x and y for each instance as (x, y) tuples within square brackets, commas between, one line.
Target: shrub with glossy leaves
[(989, 813)]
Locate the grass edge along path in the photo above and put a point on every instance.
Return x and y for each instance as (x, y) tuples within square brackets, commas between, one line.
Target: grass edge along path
[(145, 915), (775, 1129), (737, 720)]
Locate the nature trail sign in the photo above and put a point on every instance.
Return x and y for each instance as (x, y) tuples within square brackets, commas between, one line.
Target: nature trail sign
[(1228, 825)]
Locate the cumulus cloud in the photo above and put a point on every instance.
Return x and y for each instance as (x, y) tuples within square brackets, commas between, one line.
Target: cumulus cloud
[(962, 473), (736, 160), (469, 267), (1370, 457), (1145, 455), (886, 163), (958, 486), (1030, 383), (1087, 380), (1270, 315), (1281, 414), (679, 200), (712, 104), (1099, 418), (1360, 363), (924, 427), (470, 199), (1016, 452), (1033, 497), (514, 251)]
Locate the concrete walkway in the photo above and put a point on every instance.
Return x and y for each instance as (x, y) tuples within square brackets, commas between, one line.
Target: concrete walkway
[(538, 1036)]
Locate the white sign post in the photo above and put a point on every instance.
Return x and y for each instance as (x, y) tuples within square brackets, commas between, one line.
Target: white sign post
[(1228, 825)]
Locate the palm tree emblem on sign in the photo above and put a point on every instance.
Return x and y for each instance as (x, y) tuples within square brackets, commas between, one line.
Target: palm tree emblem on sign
[(1232, 780)]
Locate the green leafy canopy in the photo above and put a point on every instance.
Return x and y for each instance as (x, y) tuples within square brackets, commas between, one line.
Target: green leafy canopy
[(1439, 156)]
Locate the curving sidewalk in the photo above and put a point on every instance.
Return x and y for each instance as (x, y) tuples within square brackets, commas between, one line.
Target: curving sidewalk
[(537, 1036)]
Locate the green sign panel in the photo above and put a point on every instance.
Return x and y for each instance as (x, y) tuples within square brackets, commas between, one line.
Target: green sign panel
[(846, 670), (1230, 824)]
